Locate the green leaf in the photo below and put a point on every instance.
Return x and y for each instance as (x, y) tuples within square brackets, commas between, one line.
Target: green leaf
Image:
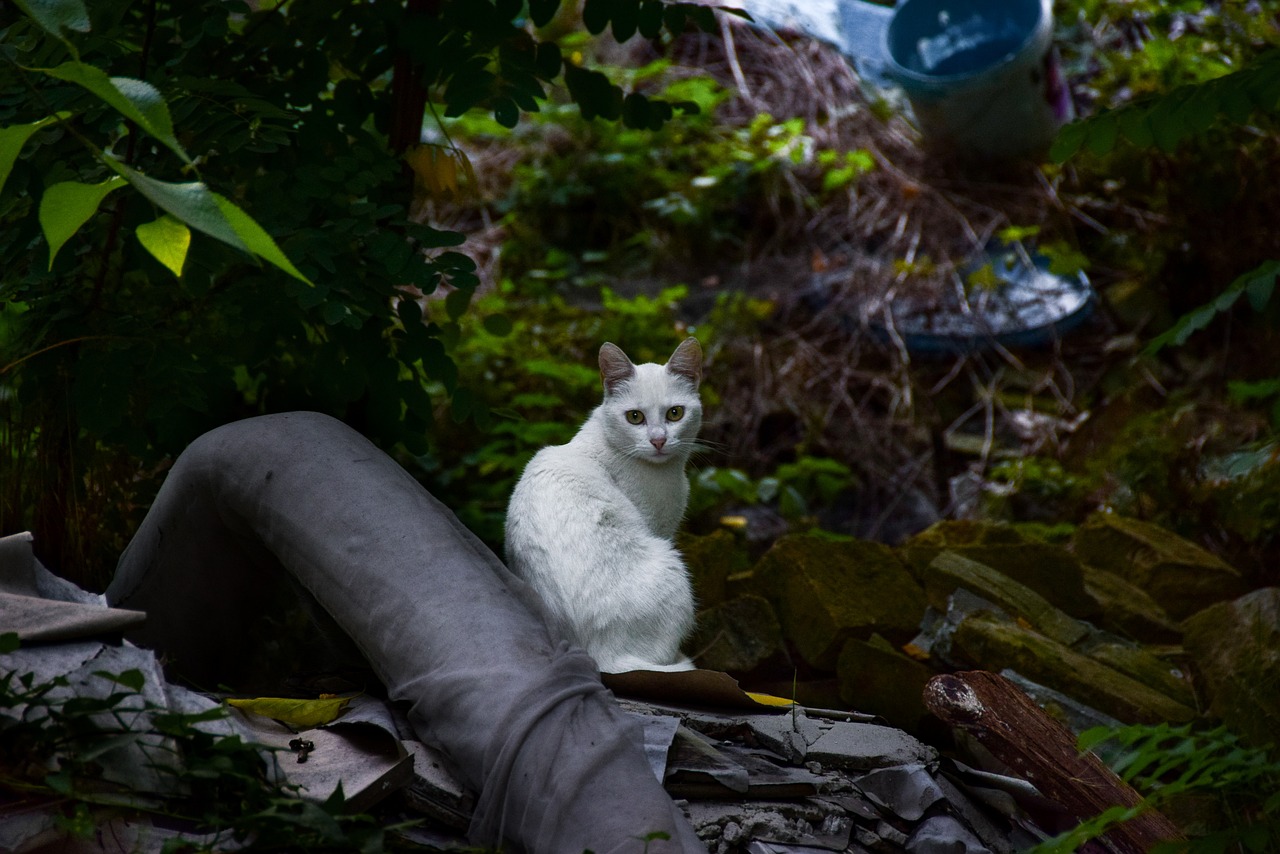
[(548, 60), (136, 100), (506, 113), (596, 15), (456, 303), (1136, 127), (167, 240), (1068, 141), (132, 678), (56, 15), (192, 203), (625, 19), (542, 11), (1258, 284), (66, 206), (8, 642), (303, 714), (649, 19), (1102, 134), (498, 325), (204, 210), (14, 137)]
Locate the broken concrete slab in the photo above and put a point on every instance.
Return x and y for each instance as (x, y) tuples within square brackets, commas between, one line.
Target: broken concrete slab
[(862, 747)]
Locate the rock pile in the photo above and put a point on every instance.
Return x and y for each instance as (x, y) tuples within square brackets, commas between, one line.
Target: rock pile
[(1126, 622)]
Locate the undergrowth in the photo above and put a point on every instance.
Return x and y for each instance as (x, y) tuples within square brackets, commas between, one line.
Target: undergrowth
[(1224, 792), (54, 747)]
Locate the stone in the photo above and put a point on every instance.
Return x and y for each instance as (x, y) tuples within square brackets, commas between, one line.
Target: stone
[(1051, 571), (827, 592), (994, 644), (950, 570), (863, 747), (1127, 610), (738, 636), (1236, 648), (1147, 668), (711, 559), (876, 678), (1179, 575)]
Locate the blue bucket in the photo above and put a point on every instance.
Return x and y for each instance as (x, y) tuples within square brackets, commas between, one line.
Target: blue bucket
[(981, 75)]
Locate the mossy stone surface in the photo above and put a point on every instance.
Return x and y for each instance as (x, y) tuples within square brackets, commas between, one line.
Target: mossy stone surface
[(1236, 647), (992, 643), (827, 592), (949, 571), (711, 559), (738, 636), (1127, 610), (1179, 575), (877, 679), (1049, 570)]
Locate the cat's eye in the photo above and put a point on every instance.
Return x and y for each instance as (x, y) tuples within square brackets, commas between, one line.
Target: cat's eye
[(635, 416), (675, 413)]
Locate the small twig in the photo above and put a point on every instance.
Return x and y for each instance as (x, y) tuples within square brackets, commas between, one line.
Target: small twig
[(17, 362)]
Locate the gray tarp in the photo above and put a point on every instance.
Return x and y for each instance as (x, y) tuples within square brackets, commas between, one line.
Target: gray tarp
[(557, 766)]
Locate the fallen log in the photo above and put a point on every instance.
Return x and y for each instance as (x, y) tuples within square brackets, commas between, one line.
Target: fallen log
[(1041, 750)]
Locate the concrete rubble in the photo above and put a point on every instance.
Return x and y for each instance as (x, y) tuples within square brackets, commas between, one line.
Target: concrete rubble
[(752, 776)]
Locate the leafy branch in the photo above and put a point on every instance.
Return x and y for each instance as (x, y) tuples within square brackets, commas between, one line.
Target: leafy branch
[(1166, 119), (1169, 762)]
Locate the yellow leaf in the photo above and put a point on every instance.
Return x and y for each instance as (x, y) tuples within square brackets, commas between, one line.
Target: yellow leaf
[(437, 169), (300, 714), (770, 700)]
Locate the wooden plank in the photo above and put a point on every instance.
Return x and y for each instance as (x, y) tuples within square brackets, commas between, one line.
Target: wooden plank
[(1041, 750)]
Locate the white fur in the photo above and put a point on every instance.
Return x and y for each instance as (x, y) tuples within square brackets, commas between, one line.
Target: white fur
[(590, 524)]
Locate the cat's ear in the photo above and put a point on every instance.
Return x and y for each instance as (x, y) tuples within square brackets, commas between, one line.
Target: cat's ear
[(615, 367), (686, 361)]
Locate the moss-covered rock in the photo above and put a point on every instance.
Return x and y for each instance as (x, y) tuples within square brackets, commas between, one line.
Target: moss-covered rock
[(1236, 647), (1049, 570), (738, 636), (1179, 575), (992, 643), (1127, 610), (876, 678), (711, 560), (827, 592), (1145, 667), (949, 571)]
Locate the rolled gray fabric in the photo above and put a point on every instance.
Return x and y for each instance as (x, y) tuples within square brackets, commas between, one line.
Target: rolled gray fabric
[(557, 766)]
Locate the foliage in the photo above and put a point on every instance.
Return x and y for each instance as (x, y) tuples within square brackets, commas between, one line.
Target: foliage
[(797, 489), (1164, 120), (51, 742), (118, 351), (1172, 764), (611, 193), (1186, 84), (1258, 285)]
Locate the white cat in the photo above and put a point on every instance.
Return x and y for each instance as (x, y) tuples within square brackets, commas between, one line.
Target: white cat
[(591, 522)]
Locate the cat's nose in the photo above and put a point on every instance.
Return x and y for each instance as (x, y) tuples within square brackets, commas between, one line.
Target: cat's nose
[(658, 441)]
